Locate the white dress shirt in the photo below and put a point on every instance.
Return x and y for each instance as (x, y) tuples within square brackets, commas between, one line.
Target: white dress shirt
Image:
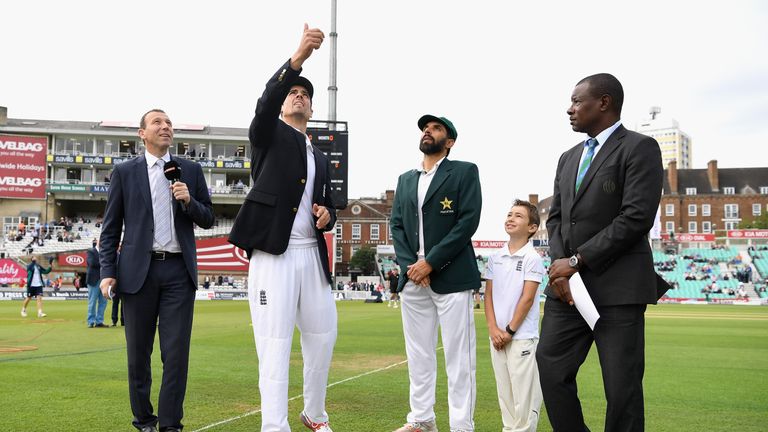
[(154, 170), (425, 179)]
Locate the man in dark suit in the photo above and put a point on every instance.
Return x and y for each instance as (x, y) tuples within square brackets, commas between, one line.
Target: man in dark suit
[(435, 213), (97, 304), (280, 226), (606, 195), (156, 274)]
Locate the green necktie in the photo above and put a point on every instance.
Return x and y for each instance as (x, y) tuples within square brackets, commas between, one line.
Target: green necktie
[(591, 144)]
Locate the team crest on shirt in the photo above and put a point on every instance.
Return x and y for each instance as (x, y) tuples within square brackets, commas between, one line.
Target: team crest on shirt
[(447, 206), (519, 266), (263, 298)]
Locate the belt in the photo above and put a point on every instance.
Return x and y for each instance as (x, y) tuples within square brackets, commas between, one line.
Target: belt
[(162, 255)]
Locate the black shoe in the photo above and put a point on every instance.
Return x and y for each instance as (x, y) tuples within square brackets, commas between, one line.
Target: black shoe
[(171, 429), (114, 325), (100, 325), (149, 429), (90, 325)]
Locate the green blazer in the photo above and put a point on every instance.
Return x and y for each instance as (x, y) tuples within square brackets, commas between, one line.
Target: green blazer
[(451, 213)]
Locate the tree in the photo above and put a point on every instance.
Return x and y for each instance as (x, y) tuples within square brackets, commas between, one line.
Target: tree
[(760, 222), (364, 260)]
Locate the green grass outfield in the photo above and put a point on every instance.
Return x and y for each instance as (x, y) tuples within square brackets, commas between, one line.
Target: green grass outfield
[(706, 370)]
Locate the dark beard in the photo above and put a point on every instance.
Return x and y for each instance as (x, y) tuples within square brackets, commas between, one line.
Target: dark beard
[(435, 147)]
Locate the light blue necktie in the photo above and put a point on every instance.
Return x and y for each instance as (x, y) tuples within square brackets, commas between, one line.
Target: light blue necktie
[(591, 144), (161, 205)]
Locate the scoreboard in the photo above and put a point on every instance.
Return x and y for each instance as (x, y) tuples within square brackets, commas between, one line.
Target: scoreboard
[(333, 140)]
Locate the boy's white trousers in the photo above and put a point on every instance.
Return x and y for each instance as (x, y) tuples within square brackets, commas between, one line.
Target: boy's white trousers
[(517, 384)]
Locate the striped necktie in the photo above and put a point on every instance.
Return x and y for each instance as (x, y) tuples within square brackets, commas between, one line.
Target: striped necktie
[(591, 144), (161, 205)]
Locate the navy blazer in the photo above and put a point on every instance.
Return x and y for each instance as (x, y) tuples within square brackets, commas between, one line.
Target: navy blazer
[(279, 170), (93, 269), (607, 221), (129, 208)]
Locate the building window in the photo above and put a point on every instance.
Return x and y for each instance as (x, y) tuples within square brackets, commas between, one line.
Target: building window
[(353, 250), (669, 209), (706, 210), (763, 190), (692, 227), (731, 211), (690, 191), (731, 225), (691, 209), (756, 209), (339, 231), (706, 227), (339, 253), (356, 231), (374, 231), (670, 227), (389, 232), (729, 190)]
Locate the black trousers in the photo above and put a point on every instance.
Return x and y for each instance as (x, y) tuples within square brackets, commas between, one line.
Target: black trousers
[(117, 310), (165, 304), (565, 341)]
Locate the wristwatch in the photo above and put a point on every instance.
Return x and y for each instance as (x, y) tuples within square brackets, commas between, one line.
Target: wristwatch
[(510, 331), (574, 261)]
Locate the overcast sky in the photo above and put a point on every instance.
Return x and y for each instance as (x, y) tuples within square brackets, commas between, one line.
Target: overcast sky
[(502, 71)]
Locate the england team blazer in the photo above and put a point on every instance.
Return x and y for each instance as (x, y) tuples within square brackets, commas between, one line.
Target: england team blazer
[(279, 170), (451, 213), (607, 221)]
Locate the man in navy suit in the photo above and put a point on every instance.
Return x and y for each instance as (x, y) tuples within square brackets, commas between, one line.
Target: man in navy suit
[(156, 274), (281, 225), (97, 304), (606, 194)]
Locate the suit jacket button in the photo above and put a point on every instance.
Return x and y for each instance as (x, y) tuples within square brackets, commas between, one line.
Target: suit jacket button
[(295, 209), (303, 181)]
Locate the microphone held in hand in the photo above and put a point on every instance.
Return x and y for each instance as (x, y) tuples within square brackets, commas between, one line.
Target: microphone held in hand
[(172, 171)]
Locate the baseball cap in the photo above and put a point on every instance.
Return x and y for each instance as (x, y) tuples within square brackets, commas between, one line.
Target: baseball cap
[(442, 120), (301, 81)]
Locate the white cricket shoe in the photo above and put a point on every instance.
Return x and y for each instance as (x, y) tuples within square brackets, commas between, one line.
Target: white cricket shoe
[(24, 313), (317, 427), (428, 426)]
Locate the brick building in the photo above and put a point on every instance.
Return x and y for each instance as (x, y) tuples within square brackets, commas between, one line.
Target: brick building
[(712, 200), (365, 222)]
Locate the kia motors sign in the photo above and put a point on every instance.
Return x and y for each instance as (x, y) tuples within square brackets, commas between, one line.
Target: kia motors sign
[(22, 166), (11, 272), (748, 234), (488, 244), (691, 237), (73, 259)]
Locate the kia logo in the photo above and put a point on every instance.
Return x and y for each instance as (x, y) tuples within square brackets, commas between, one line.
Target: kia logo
[(74, 260)]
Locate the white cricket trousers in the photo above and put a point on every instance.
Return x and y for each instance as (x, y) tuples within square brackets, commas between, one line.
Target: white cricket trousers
[(423, 310), (517, 385), (285, 291)]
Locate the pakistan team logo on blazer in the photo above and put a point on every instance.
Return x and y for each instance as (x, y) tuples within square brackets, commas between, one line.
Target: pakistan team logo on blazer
[(447, 206)]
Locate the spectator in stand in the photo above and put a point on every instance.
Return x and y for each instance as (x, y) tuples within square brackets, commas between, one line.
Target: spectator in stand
[(35, 274), (206, 282)]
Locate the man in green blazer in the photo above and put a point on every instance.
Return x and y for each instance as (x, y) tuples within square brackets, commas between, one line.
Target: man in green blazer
[(435, 213)]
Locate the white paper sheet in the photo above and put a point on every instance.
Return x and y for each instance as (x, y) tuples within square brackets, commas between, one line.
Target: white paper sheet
[(583, 301)]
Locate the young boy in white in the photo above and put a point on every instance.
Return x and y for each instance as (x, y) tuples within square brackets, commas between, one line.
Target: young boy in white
[(513, 275)]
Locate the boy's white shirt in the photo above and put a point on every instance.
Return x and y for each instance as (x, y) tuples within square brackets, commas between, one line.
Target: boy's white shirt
[(509, 271)]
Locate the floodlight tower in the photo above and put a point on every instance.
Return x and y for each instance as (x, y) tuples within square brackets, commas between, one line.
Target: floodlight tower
[(332, 89)]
